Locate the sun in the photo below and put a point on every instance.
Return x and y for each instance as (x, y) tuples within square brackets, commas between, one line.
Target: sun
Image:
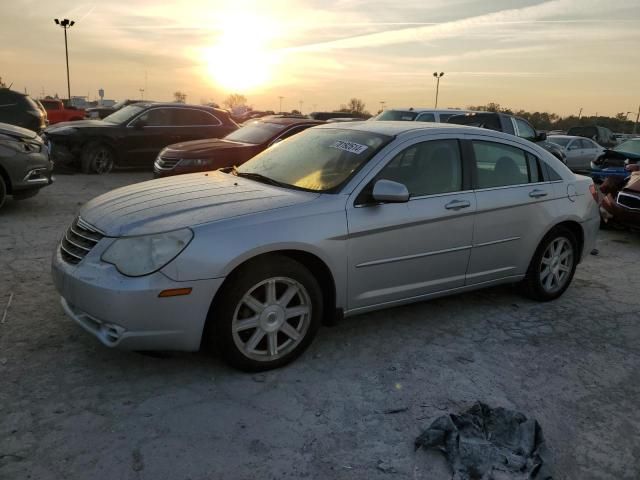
[(241, 59)]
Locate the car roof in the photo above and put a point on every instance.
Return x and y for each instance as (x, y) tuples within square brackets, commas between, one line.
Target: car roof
[(179, 105), (395, 128), (569, 137), (286, 120), (424, 109)]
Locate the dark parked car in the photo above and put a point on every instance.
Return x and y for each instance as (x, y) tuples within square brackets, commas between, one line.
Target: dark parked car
[(234, 149), (502, 122), (24, 163), (21, 110), (329, 115), (102, 111), (133, 136), (601, 135)]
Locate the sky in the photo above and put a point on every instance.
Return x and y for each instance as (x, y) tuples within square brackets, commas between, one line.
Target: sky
[(545, 55)]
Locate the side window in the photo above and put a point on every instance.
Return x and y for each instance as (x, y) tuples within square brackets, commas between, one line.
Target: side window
[(525, 130), (157, 117), (535, 170), (499, 165), (427, 168), (426, 117), (446, 116), (186, 117)]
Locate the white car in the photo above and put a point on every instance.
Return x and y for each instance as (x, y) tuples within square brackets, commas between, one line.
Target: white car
[(418, 114), (580, 151)]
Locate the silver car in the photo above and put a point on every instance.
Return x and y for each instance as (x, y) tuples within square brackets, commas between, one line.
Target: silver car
[(336, 221), (580, 151)]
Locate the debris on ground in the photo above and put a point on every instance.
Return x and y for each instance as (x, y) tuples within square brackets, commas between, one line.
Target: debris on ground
[(489, 444), (6, 309)]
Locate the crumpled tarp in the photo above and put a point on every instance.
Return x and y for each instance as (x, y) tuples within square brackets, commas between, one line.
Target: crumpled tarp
[(489, 444)]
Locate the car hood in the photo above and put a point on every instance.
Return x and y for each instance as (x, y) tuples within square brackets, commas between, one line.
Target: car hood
[(611, 153), (78, 124), (203, 148), (17, 132), (183, 201)]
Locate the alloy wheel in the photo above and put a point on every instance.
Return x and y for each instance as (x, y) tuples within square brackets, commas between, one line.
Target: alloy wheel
[(271, 319), (556, 264), (102, 161)]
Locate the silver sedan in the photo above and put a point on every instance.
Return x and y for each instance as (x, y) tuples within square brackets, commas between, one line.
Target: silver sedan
[(580, 151), (336, 221)]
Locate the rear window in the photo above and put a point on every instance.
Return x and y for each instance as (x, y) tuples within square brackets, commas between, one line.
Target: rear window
[(397, 115), (49, 105), (583, 131), (562, 141), (492, 122), (256, 132)]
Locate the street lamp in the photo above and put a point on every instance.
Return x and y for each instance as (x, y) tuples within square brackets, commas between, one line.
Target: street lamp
[(382, 104), (438, 77), (65, 23), (300, 110), (280, 97)]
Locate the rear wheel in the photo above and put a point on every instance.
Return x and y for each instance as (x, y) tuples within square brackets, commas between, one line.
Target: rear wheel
[(3, 191), (267, 315), (97, 157), (553, 265)]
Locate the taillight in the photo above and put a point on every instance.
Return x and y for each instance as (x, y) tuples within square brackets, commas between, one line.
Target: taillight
[(594, 192)]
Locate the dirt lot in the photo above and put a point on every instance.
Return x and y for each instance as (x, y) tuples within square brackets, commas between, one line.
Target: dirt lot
[(73, 409)]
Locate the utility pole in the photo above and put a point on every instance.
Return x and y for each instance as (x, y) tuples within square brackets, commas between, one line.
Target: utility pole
[(280, 97), (66, 24), (580, 113), (438, 77)]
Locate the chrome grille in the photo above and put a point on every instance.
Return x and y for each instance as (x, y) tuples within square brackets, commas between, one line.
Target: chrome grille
[(166, 163), (629, 201), (78, 240)]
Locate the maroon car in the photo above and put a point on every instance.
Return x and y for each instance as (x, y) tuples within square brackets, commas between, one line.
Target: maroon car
[(234, 149)]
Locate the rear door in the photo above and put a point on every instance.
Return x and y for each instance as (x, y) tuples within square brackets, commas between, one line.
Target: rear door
[(194, 124), (512, 207), (399, 251)]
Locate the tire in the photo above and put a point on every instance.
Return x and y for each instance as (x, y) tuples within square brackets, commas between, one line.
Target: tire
[(261, 336), (97, 157), (552, 266), (3, 191)]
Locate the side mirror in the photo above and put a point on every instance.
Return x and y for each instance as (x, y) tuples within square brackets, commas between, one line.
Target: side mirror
[(541, 136), (388, 191)]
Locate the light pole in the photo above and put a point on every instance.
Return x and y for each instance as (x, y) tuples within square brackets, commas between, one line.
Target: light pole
[(382, 104), (635, 125), (301, 102), (141, 90), (280, 97), (65, 23), (438, 77), (580, 113)]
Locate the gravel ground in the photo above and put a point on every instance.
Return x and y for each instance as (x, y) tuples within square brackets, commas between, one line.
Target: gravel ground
[(73, 409)]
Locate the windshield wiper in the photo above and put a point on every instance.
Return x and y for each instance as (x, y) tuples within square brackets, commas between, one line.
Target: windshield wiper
[(258, 177)]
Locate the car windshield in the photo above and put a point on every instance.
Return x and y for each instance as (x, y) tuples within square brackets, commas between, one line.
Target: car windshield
[(317, 159), (124, 114), (562, 141), (630, 146), (256, 132), (402, 115)]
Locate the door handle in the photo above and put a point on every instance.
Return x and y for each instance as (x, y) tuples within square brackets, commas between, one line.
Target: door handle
[(457, 204), (537, 193)]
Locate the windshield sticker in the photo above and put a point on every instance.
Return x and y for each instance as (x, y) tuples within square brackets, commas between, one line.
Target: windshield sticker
[(350, 147)]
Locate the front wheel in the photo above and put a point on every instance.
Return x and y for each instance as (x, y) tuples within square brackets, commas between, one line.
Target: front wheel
[(553, 266), (267, 315), (97, 158)]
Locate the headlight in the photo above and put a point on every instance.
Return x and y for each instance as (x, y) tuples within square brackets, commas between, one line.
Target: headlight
[(138, 256), (194, 162)]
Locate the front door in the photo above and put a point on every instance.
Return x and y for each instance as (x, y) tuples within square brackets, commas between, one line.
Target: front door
[(514, 206), (147, 135), (400, 251)]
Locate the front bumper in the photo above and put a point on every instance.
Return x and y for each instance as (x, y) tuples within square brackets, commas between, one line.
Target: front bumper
[(126, 312)]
